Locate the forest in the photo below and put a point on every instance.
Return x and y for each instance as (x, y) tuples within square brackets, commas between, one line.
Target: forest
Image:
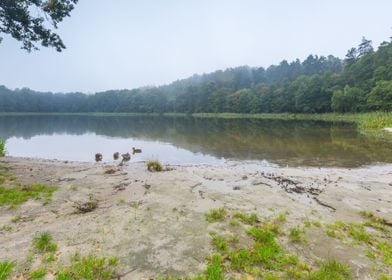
[(361, 82)]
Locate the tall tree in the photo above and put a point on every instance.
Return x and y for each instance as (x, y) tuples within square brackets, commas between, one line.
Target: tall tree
[(33, 21), (365, 47)]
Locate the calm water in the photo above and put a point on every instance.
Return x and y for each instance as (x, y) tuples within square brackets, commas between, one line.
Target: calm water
[(192, 140)]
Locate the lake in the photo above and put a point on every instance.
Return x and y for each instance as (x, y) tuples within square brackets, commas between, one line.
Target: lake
[(187, 140)]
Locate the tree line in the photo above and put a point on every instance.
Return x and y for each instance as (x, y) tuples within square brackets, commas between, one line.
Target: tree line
[(359, 83)]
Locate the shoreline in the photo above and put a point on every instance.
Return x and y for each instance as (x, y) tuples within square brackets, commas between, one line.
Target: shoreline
[(154, 221), (365, 121)]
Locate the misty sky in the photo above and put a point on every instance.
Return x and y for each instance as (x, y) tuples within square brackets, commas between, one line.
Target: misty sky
[(125, 43)]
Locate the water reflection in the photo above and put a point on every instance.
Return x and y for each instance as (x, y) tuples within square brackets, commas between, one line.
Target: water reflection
[(193, 140)]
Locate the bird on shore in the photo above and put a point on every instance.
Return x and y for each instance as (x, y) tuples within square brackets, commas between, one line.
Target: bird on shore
[(125, 157), (136, 151), (116, 155), (98, 157)]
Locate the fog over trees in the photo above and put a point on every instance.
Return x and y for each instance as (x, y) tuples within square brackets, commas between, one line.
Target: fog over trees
[(361, 82)]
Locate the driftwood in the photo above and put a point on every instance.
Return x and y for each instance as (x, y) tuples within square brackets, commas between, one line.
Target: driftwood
[(324, 204), (291, 186)]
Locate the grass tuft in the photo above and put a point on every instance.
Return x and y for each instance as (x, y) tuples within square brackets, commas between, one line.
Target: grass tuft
[(154, 165), (216, 215), (332, 270), (214, 269), (38, 274), (219, 242), (6, 268), (90, 267), (249, 219), (43, 243), (296, 234), (17, 195)]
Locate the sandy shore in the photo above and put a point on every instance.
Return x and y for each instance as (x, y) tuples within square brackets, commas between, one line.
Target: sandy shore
[(154, 221)]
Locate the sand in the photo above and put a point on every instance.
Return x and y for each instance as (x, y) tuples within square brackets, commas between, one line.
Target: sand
[(154, 221)]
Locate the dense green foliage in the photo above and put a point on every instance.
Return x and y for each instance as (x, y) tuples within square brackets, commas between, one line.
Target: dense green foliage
[(360, 83), (29, 21)]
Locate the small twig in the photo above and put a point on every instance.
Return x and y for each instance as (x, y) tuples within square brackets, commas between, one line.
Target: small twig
[(324, 204)]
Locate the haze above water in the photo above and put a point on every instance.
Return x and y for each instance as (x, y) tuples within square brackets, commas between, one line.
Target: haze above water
[(181, 140)]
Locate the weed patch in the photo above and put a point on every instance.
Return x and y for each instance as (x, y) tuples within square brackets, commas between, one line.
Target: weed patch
[(215, 215), (90, 267), (154, 165), (43, 243), (17, 195)]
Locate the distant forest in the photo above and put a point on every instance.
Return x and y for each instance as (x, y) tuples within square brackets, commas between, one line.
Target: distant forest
[(361, 82)]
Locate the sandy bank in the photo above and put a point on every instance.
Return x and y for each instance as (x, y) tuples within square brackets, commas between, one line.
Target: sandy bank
[(154, 222)]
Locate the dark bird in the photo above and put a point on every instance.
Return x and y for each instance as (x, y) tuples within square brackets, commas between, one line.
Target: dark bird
[(116, 155), (98, 157), (126, 157), (136, 151)]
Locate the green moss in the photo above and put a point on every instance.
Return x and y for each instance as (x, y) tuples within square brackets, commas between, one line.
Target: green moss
[(215, 215)]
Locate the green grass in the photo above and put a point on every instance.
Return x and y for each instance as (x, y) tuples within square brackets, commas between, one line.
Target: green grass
[(219, 242), (214, 269), (332, 270), (16, 195), (2, 148), (296, 234), (282, 217), (38, 274), (154, 165), (43, 243), (216, 215), (249, 219), (90, 267), (6, 268)]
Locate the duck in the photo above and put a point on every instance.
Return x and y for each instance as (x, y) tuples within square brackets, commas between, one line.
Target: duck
[(126, 157), (98, 157), (136, 151), (116, 155)]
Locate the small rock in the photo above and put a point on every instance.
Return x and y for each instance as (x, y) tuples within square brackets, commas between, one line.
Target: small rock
[(244, 177), (236, 188)]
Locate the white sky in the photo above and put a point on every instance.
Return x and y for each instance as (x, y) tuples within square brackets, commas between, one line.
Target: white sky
[(127, 43)]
